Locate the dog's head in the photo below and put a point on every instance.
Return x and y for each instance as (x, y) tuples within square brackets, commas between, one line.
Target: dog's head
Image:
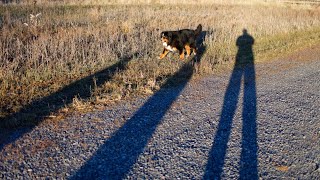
[(166, 37)]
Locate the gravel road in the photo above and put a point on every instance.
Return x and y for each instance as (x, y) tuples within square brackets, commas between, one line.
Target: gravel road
[(250, 122)]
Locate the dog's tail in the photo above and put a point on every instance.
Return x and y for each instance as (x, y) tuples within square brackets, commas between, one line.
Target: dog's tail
[(198, 30)]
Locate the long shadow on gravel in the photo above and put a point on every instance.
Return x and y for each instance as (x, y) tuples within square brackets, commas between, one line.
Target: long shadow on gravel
[(114, 159), (244, 67), (39, 109)]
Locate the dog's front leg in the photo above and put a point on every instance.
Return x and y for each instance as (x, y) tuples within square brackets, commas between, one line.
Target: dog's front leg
[(164, 53)]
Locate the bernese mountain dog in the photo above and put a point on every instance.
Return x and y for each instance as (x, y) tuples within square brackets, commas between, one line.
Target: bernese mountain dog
[(185, 39)]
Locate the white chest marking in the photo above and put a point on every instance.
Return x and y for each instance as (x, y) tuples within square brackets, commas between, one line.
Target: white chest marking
[(168, 47)]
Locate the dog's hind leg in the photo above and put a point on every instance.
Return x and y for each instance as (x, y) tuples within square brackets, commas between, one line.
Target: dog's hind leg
[(194, 49), (188, 49), (181, 54)]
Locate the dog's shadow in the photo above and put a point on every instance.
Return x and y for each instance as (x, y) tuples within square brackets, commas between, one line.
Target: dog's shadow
[(15, 125)]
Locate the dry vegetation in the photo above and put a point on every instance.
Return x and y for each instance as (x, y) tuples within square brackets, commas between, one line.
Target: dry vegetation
[(67, 47)]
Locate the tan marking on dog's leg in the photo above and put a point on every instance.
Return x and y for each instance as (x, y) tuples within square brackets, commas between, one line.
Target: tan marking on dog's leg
[(164, 53), (188, 49), (181, 56)]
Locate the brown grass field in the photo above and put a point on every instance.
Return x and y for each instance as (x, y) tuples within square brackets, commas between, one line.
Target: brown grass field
[(108, 51)]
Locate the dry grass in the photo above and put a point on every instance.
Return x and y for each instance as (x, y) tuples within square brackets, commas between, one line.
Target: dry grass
[(108, 2), (65, 43)]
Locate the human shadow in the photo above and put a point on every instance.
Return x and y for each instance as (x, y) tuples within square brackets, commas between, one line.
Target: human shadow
[(114, 159), (243, 69), (43, 107)]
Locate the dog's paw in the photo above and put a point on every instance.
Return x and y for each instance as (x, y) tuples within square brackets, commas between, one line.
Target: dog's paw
[(161, 56)]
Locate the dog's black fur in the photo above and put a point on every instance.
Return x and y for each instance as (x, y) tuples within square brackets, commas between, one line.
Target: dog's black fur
[(185, 39)]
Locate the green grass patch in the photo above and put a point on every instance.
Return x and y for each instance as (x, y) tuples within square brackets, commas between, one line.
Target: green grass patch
[(282, 44)]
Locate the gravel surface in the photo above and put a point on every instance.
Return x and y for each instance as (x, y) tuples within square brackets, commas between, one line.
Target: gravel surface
[(245, 123)]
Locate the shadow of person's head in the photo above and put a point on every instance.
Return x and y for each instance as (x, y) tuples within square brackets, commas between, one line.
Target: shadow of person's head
[(245, 32), (245, 53)]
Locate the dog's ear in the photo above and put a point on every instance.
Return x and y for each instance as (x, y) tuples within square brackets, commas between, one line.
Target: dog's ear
[(162, 34)]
